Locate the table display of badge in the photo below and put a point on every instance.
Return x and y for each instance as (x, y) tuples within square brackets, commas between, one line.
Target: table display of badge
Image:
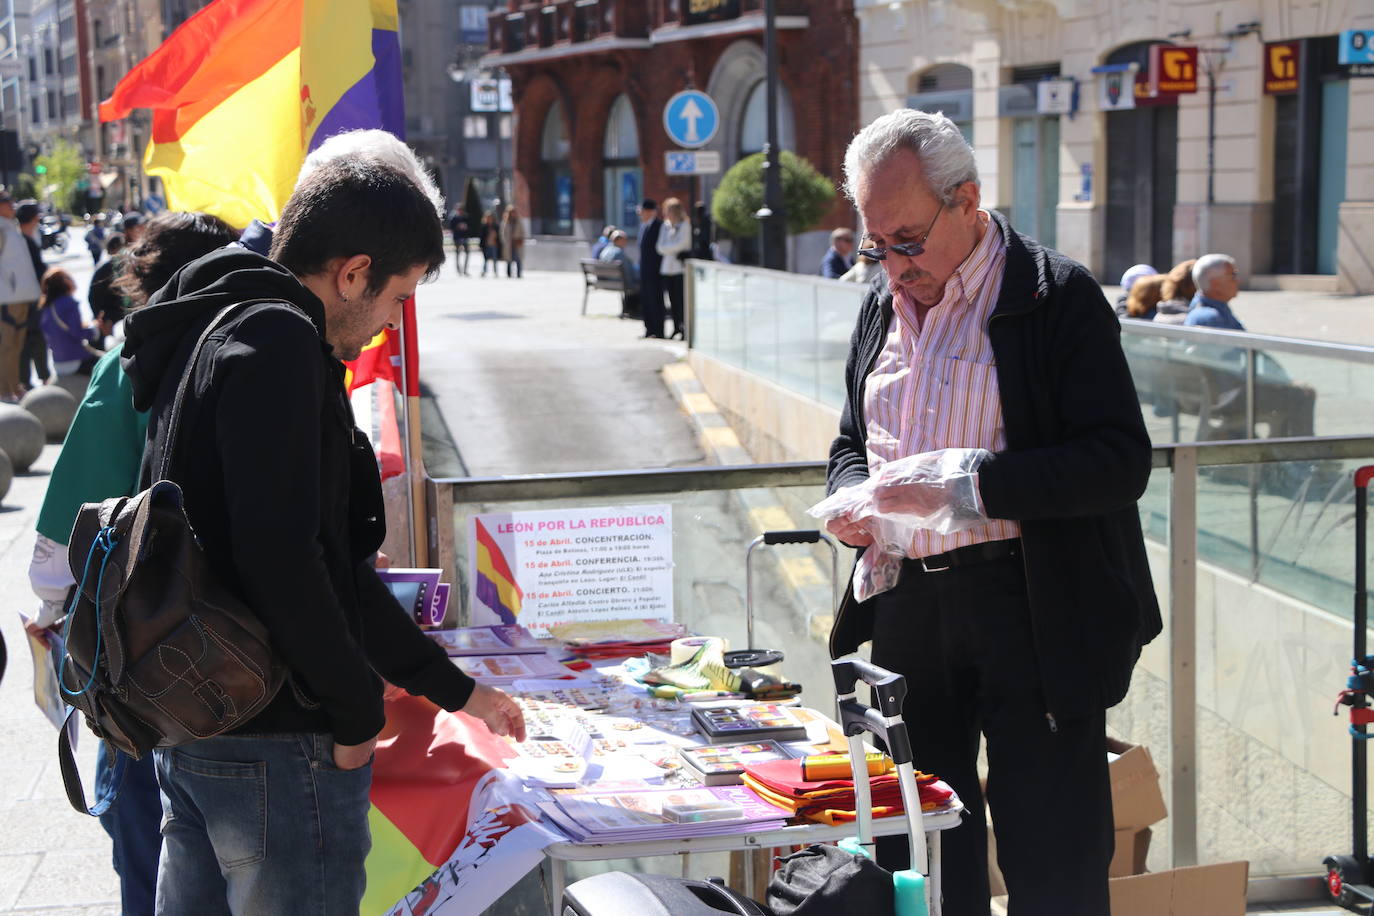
[(723, 764), (759, 721)]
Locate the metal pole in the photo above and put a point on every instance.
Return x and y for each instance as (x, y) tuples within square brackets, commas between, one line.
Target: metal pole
[(1183, 657), (1211, 140), (1360, 749), (775, 223)]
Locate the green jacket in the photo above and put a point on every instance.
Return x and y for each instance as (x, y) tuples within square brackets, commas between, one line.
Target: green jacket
[(102, 452)]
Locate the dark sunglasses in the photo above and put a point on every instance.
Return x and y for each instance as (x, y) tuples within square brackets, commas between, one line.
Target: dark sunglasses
[(906, 249)]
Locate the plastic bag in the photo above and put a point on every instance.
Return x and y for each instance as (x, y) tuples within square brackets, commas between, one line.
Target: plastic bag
[(935, 491)]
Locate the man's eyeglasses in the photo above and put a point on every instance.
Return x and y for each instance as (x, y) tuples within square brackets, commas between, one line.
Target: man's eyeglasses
[(905, 249)]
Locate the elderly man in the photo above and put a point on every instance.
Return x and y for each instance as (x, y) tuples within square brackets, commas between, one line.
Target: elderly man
[(1025, 627), (615, 252), (840, 257), (1217, 283)]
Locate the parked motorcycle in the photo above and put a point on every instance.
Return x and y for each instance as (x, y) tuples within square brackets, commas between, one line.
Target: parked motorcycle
[(52, 232)]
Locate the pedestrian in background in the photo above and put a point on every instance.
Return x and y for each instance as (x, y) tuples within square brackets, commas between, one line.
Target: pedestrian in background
[(1217, 283), (18, 295), (674, 242), (100, 458), (73, 343), (491, 243), (107, 305), (650, 273), (602, 241), (840, 256), (460, 228), (33, 358), (512, 241), (703, 249), (95, 238), (616, 253), (863, 271), (985, 342)]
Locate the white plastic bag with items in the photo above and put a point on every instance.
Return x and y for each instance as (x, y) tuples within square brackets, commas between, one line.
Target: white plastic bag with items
[(934, 491)]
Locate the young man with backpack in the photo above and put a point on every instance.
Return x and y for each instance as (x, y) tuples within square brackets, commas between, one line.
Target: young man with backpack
[(283, 495)]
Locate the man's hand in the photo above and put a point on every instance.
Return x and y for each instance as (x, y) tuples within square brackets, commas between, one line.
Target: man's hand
[(909, 499), (353, 756), (848, 531), (498, 712)]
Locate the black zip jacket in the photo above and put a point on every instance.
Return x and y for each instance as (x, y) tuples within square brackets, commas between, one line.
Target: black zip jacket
[(282, 490), (1076, 461)]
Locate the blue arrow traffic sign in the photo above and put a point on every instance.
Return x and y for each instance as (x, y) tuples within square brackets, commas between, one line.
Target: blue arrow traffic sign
[(691, 118)]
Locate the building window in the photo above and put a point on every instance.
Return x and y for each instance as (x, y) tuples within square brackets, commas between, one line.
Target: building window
[(35, 114), (33, 68), (48, 61), (622, 178), (555, 204), (71, 104), (505, 127), (54, 111), (69, 65), (475, 127)]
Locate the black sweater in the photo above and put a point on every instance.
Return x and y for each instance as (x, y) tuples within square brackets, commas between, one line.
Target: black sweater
[(1076, 461), (282, 490)]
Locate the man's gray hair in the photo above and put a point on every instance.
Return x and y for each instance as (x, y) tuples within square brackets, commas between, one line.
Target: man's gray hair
[(945, 156), (1207, 265), (379, 145)]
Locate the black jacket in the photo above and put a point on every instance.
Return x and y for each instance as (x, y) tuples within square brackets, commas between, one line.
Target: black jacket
[(1076, 461), (650, 261), (282, 490)]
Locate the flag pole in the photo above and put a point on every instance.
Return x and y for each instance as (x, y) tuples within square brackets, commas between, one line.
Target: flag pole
[(411, 441)]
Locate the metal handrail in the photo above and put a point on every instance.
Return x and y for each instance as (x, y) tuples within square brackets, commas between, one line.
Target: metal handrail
[(1353, 353), (523, 487)]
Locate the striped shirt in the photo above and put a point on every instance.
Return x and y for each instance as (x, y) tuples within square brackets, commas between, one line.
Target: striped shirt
[(934, 384)]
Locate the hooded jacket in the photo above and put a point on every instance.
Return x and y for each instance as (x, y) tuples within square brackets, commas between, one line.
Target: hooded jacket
[(1077, 460), (282, 490)]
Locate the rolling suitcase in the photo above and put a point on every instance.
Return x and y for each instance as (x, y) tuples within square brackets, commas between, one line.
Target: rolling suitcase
[(813, 881)]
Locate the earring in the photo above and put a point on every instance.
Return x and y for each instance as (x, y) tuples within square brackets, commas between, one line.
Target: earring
[(343, 296)]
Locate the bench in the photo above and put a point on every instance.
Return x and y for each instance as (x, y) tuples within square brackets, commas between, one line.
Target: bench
[(612, 276)]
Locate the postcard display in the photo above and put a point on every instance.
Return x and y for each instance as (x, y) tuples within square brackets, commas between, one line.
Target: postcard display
[(546, 567)]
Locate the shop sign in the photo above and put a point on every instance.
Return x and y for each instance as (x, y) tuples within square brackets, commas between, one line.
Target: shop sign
[(696, 12), (1173, 70), (491, 95), (1282, 60), (1116, 86), (1056, 96), (1357, 52), (472, 24)]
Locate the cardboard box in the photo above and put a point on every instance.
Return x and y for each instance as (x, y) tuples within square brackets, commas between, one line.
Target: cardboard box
[(1137, 800), (1203, 890), (1132, 847)]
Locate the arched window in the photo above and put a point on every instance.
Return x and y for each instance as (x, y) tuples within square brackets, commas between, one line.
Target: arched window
[(947, 88), (556, 203), (753, 130), (623, 178)]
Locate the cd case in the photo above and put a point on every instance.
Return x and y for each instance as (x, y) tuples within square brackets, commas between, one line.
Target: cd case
[(759, 721), (723, 764)]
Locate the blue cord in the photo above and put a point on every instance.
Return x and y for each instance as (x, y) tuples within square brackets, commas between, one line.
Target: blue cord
[(106, 541)]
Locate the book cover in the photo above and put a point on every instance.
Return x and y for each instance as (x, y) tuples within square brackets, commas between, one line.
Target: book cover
[(723, 764), (731, 724)]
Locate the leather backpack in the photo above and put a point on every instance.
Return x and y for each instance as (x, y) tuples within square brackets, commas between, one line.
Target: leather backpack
[(158, 651)]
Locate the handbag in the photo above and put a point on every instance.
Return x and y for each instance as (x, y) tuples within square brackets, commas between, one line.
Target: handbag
[(158, 651)]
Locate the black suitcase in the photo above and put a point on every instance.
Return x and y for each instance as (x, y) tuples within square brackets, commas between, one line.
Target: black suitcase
[(617, 893)]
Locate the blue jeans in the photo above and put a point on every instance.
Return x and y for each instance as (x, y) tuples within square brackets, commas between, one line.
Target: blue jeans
[(261, 824), (132, 823)]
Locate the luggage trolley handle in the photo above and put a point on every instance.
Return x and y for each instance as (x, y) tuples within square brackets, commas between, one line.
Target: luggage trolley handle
[(886, 723), (773, 539)]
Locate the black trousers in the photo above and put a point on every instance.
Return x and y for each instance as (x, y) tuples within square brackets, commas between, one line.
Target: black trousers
[(651, 304), (962, 639), (673, 286)]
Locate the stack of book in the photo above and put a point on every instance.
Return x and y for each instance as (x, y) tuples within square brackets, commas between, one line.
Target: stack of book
[(598, 639), (618, 813), (499, 640)]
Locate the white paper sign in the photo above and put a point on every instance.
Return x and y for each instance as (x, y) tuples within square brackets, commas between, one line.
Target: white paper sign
[(546, 567)]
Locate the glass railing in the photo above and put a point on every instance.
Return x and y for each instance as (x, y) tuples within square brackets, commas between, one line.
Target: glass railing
[(1233, 699), (1267, 524)]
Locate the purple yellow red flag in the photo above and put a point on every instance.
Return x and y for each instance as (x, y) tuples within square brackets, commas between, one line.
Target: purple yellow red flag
[(496, 585), (245, 88)]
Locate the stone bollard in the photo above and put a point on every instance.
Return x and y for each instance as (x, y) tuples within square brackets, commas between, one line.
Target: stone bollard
[(75, 385), (54, 407), (6, 475), (21, 436)]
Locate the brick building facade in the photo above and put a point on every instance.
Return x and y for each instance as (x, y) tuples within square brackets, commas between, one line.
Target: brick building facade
[(590, 82)]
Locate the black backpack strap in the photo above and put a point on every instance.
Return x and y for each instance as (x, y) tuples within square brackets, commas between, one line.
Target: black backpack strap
[(179, 400), (71, 776)]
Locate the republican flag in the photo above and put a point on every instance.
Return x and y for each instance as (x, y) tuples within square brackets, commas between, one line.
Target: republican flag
[(245, 88), (496, 586)]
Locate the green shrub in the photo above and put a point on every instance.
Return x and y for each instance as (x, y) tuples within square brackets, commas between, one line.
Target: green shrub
[(806, 194)]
